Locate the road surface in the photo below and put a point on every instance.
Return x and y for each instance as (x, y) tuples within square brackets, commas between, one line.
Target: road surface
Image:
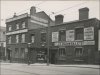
[(23, 69)]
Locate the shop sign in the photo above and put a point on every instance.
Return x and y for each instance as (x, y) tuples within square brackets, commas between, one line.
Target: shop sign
[(71, 43), (89, 33), (55, 36), (70, 35), (89, 42)]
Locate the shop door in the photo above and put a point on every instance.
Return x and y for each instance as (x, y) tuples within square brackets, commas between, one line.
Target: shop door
[(53, 57)]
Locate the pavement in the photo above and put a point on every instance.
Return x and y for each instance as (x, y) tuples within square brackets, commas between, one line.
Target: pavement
[(43, 69), (55, 65)]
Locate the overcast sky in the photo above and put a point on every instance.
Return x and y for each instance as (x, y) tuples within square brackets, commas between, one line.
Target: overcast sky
[(67, 8)]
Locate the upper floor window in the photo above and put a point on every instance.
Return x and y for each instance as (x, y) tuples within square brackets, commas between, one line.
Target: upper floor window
[(32, 38), (43, 37), (23, 38), (17, 38), (79, 33), (17, 26), (61, 51), (23, 24), (9, 28), (9, 39), (62, 35)]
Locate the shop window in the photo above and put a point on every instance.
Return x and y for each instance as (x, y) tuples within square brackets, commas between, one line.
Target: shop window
[(9, 39), (23, 24), (23, 38), (17, 38), (22, 52), (40, 55), (62, 35), (61, 51), (32, 38), (79, 34), (78, 52), (16, 52), (43, 37)]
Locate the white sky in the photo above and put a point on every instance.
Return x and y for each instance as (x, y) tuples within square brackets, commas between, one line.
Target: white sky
[(71, 13)]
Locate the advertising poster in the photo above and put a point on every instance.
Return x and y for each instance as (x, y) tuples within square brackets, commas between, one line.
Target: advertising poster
[(70, 35), (89, 33), (55, 36)]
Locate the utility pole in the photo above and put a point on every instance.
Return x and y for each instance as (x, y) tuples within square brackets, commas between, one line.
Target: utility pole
[(48, 47)]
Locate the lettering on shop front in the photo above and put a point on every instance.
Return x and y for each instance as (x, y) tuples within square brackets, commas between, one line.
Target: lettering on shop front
[(74, 43)]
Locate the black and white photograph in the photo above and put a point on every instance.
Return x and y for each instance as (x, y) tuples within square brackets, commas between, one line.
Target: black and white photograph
[(49, 37)]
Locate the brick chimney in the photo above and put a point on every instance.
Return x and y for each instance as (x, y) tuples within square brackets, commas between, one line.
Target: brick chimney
[(83, 13), (59, 19), (32, 10)]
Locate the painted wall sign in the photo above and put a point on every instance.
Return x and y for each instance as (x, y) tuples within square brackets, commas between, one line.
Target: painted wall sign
[(89, 33), (70, 35), (55, 36)]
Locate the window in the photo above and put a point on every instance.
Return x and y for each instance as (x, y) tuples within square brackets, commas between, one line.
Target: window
[(40, 55), (17, 26), (9, 28), (43, 37), (61, 51), (62, 35), (22, 52), (32, 38), (17, 38), (16, 52), (23, 24), (23, 38), (79, 34), (9, 39), (78, 52)]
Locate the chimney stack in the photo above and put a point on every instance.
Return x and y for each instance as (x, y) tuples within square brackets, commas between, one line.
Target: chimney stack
[(83, 13), (32, 10), (59, 19)]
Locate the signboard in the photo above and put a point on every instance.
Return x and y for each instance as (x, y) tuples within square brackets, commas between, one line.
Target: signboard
[(70, 35), (89, 33), (99, 40), (89, 42), (55, 36), (71, 43)]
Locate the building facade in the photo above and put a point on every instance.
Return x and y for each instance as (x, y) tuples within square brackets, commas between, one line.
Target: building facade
[(17, 33), (74, 42), (30, 39), (2, 43)]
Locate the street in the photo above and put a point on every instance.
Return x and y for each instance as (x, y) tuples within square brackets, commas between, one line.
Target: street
[(43, 69)]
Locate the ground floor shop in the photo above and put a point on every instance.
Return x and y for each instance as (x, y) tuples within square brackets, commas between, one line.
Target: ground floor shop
[(58, 54)]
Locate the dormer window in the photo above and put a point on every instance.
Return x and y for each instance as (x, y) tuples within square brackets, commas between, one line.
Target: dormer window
[(17, 26), (23, 24)]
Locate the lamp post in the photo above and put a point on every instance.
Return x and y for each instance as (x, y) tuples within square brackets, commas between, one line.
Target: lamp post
[(29, 45)]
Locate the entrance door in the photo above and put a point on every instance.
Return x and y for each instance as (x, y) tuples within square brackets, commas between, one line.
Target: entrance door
[(53, 56)]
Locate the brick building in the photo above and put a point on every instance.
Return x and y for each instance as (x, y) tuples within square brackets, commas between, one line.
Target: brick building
[(17, 29), (70, 42)]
